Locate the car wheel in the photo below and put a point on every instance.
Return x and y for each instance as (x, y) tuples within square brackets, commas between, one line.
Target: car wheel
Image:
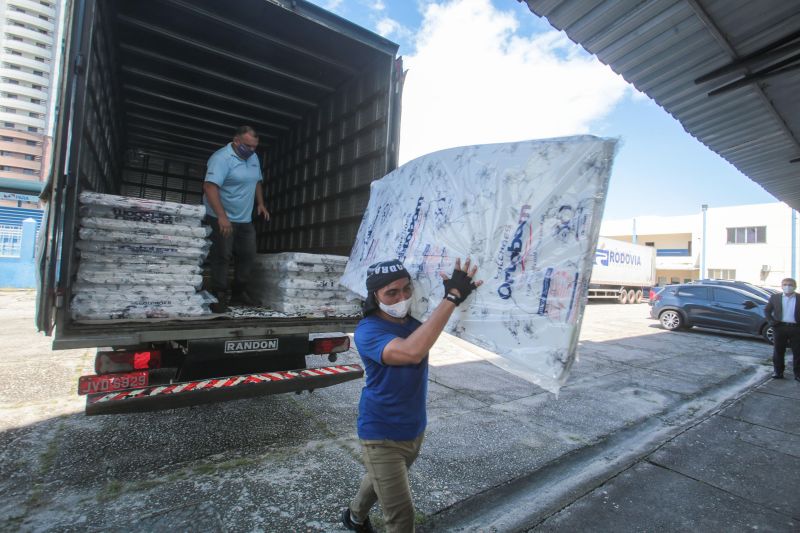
[(768, 333), (639, 296), (623, 296), (671, 320)]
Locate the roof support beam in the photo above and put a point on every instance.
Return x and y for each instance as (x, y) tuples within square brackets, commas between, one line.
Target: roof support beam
[(227, 54), (776, 50), (218, 75), (280, 42), (215, 94), (206, 109)]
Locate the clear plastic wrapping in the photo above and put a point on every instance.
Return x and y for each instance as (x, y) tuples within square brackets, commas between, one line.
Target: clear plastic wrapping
[(302, 284), (143, 205), (528, 213), (146, 228), (139, 259), (136, 237)]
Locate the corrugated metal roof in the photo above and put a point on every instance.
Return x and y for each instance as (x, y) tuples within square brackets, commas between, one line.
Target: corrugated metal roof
[(667, 49)]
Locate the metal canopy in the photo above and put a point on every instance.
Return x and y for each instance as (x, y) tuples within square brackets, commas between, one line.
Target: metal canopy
[(192, 71), (727, 70)]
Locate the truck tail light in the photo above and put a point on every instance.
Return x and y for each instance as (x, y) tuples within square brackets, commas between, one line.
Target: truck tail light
[(330, 345), (126, 361)]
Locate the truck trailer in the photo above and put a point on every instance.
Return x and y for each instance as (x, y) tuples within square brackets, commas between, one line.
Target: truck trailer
[(622, 271), (149, 91)]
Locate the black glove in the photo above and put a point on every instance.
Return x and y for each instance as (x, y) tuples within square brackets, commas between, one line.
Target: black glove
[(461, 282)]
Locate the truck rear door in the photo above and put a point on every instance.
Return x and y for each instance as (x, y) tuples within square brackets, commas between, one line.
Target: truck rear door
[(60, 191)]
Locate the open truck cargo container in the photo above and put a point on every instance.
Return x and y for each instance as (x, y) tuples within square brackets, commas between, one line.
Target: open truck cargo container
[(149, 91)]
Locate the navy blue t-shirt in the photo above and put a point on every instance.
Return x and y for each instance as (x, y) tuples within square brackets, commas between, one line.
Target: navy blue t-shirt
[(393, 400)]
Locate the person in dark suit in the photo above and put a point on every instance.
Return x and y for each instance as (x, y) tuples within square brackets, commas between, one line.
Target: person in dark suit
[(783, 312)]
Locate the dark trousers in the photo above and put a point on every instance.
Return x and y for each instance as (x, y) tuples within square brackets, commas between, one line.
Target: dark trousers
[(242, 244), (784, 335)]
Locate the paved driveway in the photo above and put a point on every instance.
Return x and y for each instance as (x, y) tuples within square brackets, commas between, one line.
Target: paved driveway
[(289, 463)]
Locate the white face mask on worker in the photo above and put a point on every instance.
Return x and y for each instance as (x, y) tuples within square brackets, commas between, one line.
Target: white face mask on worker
[(398, 310), (788, 289)]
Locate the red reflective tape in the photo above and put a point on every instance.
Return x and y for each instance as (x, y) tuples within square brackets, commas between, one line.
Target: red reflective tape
[(177, 388)]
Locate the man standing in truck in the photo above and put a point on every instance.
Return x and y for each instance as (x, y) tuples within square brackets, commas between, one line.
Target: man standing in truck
[(392, 414), (232, 185)]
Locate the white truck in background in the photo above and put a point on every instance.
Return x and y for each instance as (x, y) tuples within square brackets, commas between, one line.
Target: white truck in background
[(622, 271)]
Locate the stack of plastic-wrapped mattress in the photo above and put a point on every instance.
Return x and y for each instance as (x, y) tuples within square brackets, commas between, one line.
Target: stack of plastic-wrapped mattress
[(302, 284), (139, 259)]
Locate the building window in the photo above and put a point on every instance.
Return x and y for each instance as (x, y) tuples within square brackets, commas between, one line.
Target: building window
[(722, 273), (33, 129), (32, 143), (7, 139), (748, 235), (36, 101), (650, 244), (9, 125)]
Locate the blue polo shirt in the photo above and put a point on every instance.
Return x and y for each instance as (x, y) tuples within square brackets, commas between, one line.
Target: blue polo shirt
[(393, 399), (236, 180)]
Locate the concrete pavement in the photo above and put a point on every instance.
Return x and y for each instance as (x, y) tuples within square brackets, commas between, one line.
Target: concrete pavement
[(734, 467), (288, 463)]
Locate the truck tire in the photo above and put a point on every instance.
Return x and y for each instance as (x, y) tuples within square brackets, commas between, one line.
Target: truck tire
[(623, 296), (632, 297), (639, 296)]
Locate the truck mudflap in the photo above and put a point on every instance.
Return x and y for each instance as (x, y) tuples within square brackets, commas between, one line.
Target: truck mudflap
[(174, 395)]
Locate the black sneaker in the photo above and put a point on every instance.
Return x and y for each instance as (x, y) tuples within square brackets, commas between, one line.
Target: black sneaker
[(221, 306), (347, 522), (242, 298)]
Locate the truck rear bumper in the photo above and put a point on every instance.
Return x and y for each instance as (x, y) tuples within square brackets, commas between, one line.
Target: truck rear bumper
[(174, 395)]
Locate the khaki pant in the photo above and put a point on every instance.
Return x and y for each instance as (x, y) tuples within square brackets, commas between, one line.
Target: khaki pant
[(386, 481)]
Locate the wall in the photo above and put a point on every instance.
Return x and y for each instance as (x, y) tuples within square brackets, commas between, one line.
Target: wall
[(746, 259)]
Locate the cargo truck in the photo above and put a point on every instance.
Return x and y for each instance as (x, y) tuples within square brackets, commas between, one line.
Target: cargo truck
[(149, 91), (622, 271)]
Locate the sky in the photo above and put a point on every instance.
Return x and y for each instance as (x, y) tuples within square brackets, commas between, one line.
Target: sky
[(487, 71)]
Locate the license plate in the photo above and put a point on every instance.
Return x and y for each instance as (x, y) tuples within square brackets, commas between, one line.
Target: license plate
[(112, 382)]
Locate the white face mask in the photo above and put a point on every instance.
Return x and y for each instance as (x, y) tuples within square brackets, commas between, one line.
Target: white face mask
[(398, 310), (788, 289)]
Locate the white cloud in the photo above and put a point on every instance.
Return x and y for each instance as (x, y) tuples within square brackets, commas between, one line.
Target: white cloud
[(388, 27), (332, 5), (377, 5), (473, 79)]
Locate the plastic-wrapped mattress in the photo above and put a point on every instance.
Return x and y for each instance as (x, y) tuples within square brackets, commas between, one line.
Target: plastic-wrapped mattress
[(303, 284), (528, 213), (139, 259)]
